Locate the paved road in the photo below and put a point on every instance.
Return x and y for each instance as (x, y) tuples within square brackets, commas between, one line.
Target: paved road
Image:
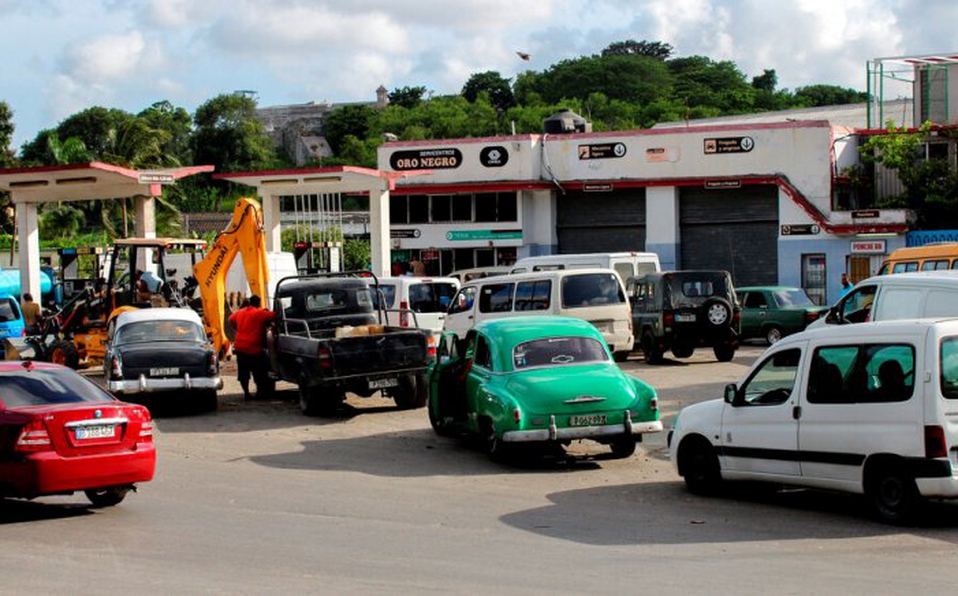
[(257, 498)]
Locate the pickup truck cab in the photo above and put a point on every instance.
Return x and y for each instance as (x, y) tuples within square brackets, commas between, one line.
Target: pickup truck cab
[(869, 409), (328, 339)]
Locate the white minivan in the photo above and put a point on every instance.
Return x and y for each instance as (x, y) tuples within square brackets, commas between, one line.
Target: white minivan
[(594, 295), (626, 264), (869, 409), (427, 297), (892, 297)]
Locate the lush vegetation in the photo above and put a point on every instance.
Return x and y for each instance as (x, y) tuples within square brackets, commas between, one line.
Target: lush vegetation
[(629, 84)]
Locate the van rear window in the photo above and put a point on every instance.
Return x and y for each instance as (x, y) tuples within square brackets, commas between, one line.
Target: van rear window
[(591, 289), (949, 368)]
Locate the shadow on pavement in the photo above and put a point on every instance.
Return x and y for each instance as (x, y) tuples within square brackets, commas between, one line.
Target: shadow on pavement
[(14, 511), (665, 513)]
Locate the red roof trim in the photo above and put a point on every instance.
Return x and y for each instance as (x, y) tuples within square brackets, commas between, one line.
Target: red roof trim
[(503, 186), (106, 167), (328, 170)]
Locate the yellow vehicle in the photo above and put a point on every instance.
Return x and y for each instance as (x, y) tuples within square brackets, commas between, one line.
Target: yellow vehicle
[(931, 257), (244, 236)]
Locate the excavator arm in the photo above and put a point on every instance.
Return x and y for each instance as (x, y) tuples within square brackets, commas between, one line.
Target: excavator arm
[(243, 235)]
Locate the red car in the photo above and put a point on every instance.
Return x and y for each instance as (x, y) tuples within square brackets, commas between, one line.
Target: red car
[(61, 433)]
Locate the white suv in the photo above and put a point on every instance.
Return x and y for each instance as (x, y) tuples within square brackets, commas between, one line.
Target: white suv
[(867, 409)]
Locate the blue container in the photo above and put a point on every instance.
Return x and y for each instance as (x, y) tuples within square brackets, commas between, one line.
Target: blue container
[(10, 282)]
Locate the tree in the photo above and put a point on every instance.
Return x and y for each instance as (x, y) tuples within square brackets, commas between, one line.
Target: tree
[(828, 95), (637, 79), (349, 120), (96, 127), (699, 81), (407, 97), (229, 136), (177, 123), (493, 84), (630, 47), (767, 81), (6, 135)]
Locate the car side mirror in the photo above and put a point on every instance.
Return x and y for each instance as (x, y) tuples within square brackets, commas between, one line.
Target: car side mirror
[(731, 393)]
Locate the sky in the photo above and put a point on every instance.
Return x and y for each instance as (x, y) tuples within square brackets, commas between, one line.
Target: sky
[(63, 56)]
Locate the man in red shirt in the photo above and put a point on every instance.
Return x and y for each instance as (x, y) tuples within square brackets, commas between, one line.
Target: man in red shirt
[(249, 345)]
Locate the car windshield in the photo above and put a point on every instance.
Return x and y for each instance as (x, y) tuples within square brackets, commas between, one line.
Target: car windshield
[(8, 311), (39, 387), (558, 351), (949, 368), (151, 331), (790, 298)]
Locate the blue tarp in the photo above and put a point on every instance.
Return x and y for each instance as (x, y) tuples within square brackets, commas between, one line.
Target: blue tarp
[(928, 236)]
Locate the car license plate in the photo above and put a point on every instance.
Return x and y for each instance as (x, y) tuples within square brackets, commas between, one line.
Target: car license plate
[(102, 431), (685, 318), (169, 371), (591, 420), (383, 383)]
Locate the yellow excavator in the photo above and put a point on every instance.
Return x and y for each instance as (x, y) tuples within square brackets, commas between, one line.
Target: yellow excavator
[(244, 235)]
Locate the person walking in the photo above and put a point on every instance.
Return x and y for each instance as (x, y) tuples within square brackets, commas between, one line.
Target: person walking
[(31, 314), (249, 345)]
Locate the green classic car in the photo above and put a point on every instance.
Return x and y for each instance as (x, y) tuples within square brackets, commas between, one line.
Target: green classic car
[(537, 380), (772, 312)]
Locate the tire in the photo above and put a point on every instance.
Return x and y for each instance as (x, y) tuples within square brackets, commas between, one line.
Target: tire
[(718, 313), (699, 466), (440, 426), (651, 354), (622, 356), (412, 392), (683, 351), (312, 402), (107, 497), (773, 334), (724, 353), (65, 352), (492, 443), (892, 494), (623, 447), (206, 400)]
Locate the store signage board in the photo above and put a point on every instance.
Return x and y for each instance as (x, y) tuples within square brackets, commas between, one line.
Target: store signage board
[(800, 229), (461, 235), (411, 233), (602, 151), (869, 247), (729, 145), (426, 159)]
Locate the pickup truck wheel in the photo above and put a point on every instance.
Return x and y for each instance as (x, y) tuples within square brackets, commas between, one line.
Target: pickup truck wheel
[(313, 403), (650, 352), (412, 392), (107, 497)]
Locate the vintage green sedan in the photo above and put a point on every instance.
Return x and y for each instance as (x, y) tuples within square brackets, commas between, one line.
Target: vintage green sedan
[(546, 380), (772, 312)]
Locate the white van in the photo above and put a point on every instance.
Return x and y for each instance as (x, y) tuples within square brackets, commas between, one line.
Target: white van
[(891, 297), (867, 409), (427, 297), (594, 295), (464, 275), (626, 264)]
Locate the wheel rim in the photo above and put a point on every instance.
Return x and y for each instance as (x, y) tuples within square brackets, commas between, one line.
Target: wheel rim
[(773, 335), (891, 493), (717, 314)]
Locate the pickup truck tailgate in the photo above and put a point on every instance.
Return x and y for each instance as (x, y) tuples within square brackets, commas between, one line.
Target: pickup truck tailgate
[(395, 350)]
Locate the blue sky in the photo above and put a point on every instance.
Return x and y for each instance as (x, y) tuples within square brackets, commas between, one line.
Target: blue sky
[(67, 55)]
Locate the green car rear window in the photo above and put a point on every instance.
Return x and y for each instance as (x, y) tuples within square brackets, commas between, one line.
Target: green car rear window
[(558, 351)]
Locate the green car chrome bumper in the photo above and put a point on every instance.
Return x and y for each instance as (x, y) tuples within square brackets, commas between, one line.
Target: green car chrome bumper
[(553, 433)]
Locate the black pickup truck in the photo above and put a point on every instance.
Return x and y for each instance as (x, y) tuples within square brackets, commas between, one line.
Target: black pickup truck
[(329, 339)]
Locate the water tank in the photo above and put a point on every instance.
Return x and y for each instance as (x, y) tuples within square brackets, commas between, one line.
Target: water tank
[(10, 283), (565, 122)]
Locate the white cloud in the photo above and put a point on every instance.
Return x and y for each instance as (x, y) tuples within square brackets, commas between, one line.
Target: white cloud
[(109, 58)]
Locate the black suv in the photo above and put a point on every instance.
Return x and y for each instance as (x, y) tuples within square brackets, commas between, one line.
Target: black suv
[(682, 310)]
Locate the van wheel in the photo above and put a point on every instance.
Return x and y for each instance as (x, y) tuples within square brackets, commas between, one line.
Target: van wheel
[(772, 335), (893, 494), (700, 466), (412, 392), (650, 352)]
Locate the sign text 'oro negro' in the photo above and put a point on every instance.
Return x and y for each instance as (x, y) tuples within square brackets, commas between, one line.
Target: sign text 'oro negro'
[(426, 159)]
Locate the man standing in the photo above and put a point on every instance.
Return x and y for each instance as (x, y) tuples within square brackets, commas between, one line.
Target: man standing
[(31, 314), (249, 345), (846, 286)]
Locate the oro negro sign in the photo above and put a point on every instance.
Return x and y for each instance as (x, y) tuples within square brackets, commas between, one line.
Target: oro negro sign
[(426, 159)]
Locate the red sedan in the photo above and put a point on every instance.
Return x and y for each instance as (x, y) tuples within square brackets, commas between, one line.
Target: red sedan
[(61, 433)]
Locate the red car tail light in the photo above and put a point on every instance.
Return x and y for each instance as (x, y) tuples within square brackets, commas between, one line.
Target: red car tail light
[(517, 415), (325, 358), (811, 316), (146, 432), (654, 404), (668, 317), (212, 364), (34, 437), (404, 316), (935, 442), (431, 345)]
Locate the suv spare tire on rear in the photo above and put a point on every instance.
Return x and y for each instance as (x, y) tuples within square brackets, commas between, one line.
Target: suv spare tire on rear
[(717, 312)]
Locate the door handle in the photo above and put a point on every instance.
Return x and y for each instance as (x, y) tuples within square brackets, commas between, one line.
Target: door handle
[(797, 412)]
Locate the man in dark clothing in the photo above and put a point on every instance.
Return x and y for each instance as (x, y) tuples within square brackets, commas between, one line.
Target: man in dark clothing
[(249, 345)]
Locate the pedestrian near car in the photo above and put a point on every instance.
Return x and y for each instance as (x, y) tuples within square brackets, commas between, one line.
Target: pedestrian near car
[(846, 286), (249, 345), (31, 314)]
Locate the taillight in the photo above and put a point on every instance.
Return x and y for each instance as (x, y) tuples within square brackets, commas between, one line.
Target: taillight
[(34, 437), (23, 332), (116, 367), (668, 317), (212, 364), (404, 316), (146, 432), (325, 358), (654, 404), (517, 415), (431, 345), (935, 442), (811, 316)]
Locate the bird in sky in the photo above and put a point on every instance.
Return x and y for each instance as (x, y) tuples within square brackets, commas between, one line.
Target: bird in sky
[(524, 56)]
